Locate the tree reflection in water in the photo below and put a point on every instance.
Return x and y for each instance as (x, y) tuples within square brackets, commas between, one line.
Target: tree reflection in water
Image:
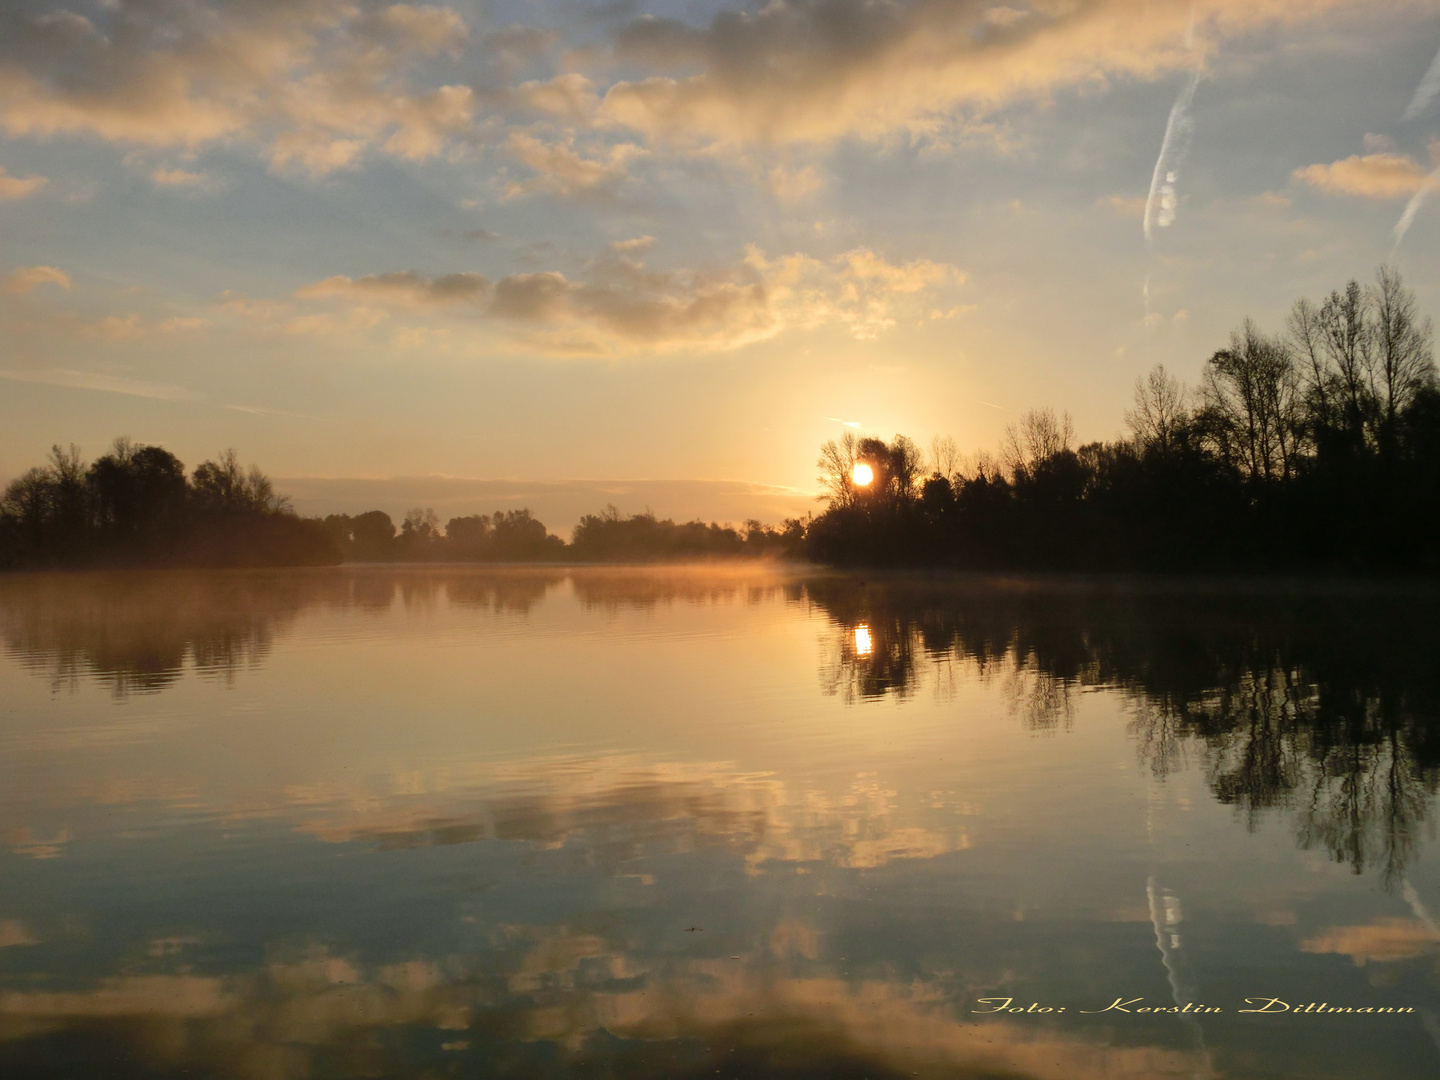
[(138, 632), (1318, 701), (1322, 702)]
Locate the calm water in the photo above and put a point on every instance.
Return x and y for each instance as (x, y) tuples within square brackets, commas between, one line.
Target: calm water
[(720, 823)]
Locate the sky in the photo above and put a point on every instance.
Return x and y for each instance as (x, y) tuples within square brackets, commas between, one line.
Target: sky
[(559, 254)]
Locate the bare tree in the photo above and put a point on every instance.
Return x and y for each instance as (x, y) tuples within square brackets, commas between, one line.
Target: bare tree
[(1403, 362), (837, 470), (1309, 342), (1252, 393), (945, 457), (1039, 435), (1161, 410), (1345, 335)]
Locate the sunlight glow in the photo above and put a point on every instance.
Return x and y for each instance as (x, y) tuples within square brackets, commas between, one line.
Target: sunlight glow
[(863, 645), (863, 474)]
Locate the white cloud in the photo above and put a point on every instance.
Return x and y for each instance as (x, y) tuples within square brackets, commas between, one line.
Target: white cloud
[(560, 170), (618, 305), (1373, 176)]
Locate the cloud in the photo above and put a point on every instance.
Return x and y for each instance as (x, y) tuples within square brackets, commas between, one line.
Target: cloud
[(618, 305), (403, 286), (19, 187), (24, 280), (178, 178), (94, 380), (819, 70), (320, 84), (1271, 200), (324, 324), (570, 97), (1372, 176), (560, 170), (792, 185), (13, 932), (1130, 206), (1380, 941), (318, 81), (180, 323), (116, 327)]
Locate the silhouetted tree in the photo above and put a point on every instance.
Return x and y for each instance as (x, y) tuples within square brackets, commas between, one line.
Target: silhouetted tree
[(611, 537), (1316, 450), (134, 507), (1252, 404), (1160, 419), (837, 470)]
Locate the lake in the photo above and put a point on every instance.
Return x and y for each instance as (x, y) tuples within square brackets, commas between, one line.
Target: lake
[(715, 822)]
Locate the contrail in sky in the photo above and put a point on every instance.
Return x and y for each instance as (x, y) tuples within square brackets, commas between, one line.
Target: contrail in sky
[(847, 423), (1413, 207), (1162, 202), (1426, 91), (1424, 97), (1160, 206)]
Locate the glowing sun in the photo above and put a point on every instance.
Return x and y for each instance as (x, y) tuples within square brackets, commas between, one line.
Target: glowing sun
[(863, 474)]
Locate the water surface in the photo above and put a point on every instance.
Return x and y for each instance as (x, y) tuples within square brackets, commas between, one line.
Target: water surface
[(727, 822)]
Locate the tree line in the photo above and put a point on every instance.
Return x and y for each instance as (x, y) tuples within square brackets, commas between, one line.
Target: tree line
[(135, 506), (516, 536), (1316, 448)]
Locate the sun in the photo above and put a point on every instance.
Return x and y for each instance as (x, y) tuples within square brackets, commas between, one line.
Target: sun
[(862, 475)]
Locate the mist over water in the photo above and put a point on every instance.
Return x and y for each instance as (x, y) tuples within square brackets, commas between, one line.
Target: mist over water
[(742, 821)]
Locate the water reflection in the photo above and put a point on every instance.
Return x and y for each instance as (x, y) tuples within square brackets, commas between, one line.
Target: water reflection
[(1323, 702), (544, 1002), (651, 587), (617, 812), (136, 637), (138, 633), (602, 823)]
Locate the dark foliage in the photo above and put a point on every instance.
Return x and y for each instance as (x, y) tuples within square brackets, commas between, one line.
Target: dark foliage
[(504, 536), (1313, 451), (608, 537), (134, 507)]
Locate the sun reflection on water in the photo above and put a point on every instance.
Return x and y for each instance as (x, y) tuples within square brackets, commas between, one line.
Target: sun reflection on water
[(863, 645)]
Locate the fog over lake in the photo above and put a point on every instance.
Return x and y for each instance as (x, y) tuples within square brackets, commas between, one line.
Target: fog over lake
[(734, 821)]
